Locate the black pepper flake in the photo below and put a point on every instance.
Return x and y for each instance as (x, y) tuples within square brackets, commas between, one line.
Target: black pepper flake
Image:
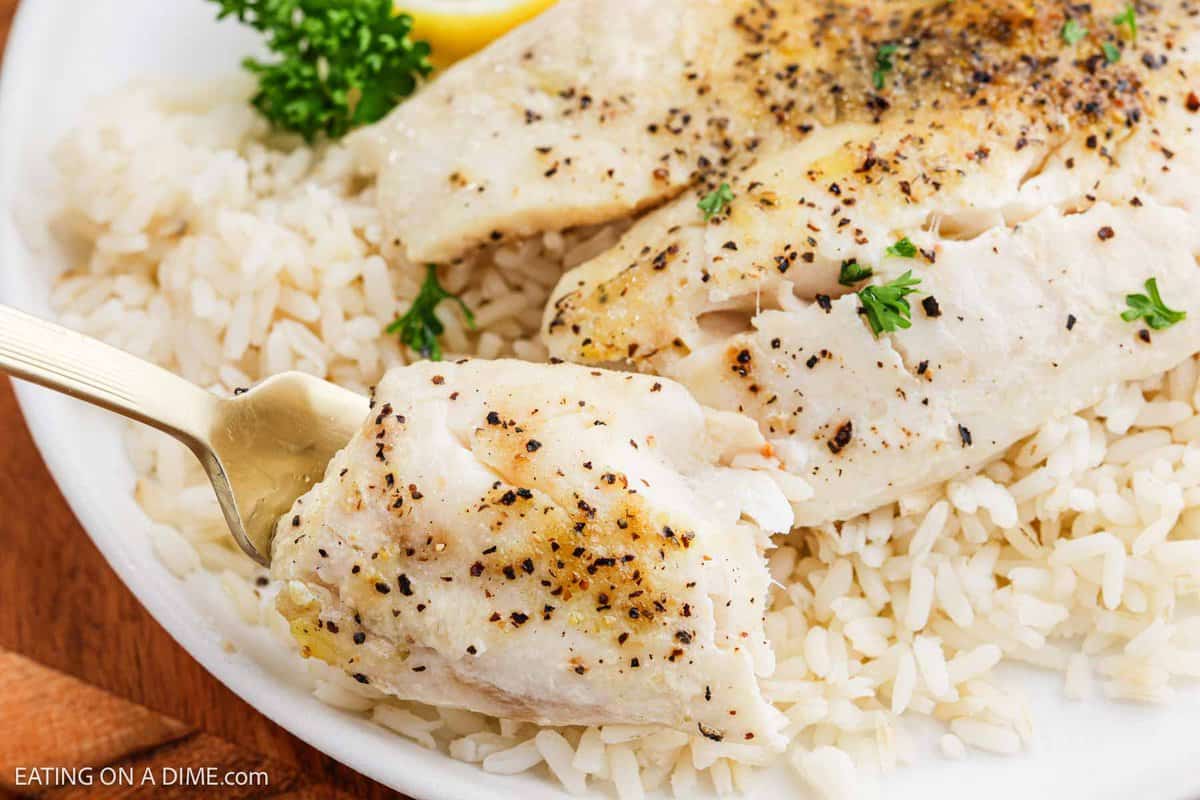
[(532, 446), (296, 521), (1070, 321), (709, 733), (1105, 233), (932, 309), (476, 569), (527, 565), (331, 626), (842, 438), (683, 637), (1144, 335), (509, 572), (359, 637), (358, 676), (1193, 102), (708, 693), (405, 585), (825, 303), (518, 618), (471, 649), (812, 362), (635, 663), (922, 368), (382, 587), (493, 418), (965, 435)]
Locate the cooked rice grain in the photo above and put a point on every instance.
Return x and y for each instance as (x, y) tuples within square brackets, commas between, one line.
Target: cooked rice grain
[(224, 253)]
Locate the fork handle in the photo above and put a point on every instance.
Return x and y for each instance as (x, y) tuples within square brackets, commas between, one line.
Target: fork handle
[(87, 369)]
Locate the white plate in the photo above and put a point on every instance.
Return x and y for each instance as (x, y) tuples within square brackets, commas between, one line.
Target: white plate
[(63, 52)]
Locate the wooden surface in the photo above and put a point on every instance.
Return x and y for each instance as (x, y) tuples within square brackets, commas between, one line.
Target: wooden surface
[(63, 608), (67, 740)]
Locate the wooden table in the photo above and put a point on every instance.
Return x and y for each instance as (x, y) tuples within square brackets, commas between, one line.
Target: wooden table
[(87, 676)]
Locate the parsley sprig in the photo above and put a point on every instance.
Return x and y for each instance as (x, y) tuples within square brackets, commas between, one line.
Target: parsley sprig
[(885, 306), (715, 201), (419, 327), (339, 63), (1151, 308)]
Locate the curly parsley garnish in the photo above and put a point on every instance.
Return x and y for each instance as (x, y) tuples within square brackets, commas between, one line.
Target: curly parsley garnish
[(1151, 308), (883, 64), (1073, 32), (854, 272), (339, 64), (902, 249), (884, 305), (1128, 19), (715, 201), (420, 328)]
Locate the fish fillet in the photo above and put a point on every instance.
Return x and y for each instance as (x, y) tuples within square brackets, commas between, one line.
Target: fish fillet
[(594, 109), (554, 544), (1041, 181)]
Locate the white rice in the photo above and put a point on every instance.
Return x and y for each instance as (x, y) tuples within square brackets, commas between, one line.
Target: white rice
[(225, 255)]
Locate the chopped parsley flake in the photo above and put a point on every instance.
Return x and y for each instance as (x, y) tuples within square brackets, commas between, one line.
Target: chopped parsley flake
[(902, 249), (1111, 54), (1072, 31), (419, 327), (853, 272), (884, 305), (883, 64), (715, 201), (1151, 308), (1128, 19)]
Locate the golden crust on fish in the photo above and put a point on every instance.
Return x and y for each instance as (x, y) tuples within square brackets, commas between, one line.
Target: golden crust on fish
[(1040, 181)]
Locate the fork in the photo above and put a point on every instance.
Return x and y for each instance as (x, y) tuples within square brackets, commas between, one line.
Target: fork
[(261, 449)]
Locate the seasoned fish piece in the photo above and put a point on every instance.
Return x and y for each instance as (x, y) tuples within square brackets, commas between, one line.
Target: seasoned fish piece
[(592, 110), (1040, 181), (547, 543)]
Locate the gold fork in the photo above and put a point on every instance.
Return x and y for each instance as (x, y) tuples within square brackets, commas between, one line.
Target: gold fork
[(261, 449)]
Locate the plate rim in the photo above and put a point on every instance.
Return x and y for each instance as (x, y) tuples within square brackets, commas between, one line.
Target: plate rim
[(412, 769)]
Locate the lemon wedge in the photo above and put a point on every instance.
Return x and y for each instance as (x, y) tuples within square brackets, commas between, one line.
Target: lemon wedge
[(457, 28)]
